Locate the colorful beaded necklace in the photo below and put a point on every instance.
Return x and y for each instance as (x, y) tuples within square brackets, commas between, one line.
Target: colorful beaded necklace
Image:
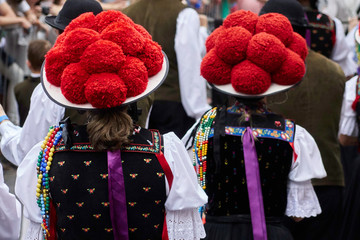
[(43, 168), (201, 145)]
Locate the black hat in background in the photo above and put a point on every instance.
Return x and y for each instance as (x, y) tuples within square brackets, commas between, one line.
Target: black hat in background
[(71, 10), (291, 9)]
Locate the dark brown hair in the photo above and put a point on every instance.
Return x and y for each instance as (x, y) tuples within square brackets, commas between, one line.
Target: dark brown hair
[(36, 52), (109, 129)]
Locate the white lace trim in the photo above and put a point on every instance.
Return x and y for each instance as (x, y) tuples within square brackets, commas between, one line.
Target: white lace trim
[(33, 232), (302, 201), (185, 225)]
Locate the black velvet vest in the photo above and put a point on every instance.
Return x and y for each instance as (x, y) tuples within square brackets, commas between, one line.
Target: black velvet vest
[(79, 188), (323, 33), (227, 190)]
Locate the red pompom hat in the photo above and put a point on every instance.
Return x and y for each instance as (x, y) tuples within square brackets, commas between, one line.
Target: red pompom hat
[(252, 57), (103, 61)]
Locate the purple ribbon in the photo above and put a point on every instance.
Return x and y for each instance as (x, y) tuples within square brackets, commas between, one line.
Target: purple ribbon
[(117, 199), (254, 186)]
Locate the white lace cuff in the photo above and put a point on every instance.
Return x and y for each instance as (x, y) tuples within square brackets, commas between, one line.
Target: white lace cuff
[(33, 231), (184, 224), (302, 201)]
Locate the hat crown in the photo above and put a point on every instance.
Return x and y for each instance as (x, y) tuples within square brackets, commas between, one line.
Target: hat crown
[(291, 9), (74, 8)]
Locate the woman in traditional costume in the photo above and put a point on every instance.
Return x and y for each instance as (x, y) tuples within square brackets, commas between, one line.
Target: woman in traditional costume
[(107, 179), (255, 166)]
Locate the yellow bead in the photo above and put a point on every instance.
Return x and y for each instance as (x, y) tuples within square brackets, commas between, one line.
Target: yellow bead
[(38, 190), (50, 159), (46, 138), (43, 146), (51, 130), (40, 176), (52, 149), (38, 185), (49, 163), (48, 168), (37, 194), (51, 154), (39, 180)]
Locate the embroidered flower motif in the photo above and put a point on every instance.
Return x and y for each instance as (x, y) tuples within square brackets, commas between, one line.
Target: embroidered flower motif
[(63, 229), (80, 204), (132, 229), (58, 205), (132, 204), (97, 216), (108, 229), (157, 202), (104, 176), (133, 175), (61, 163), (91, 190), (146, 215), (52, 178), (86, 229), (87, 163), (70, 217), (105, 204), (147, 160), (277, 123), (75, 177), (146, 189), (160, 174), (64, 191), (156, 226)]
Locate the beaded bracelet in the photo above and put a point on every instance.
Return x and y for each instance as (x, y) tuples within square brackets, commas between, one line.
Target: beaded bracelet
[(43, 167)]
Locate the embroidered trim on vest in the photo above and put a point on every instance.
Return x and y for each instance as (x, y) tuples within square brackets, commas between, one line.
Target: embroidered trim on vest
[(287, 135), (154, 147)]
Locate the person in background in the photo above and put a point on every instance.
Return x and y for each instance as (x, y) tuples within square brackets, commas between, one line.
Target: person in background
[(315, 104), (349, 140), (327, 36), (182, 98), (23, 91)]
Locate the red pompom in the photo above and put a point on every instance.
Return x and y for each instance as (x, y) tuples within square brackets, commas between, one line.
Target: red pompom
[(299, 46), (232, 43), (142, 31), (248, 78), (130, 40), (242, 18), (266, 51), (102, 56), (215, 70), (56, 61), (277, 25), (73, 82), (134, 75), (291, 71), (152, 57), (85, 20), (105, 18), (210, 41), (105, 90), (60, 40), (78, 40)]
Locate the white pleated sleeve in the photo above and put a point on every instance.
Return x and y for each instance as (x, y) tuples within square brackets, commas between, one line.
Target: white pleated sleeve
[(10, 212), (301, 199), (16, 142), (348, 125)]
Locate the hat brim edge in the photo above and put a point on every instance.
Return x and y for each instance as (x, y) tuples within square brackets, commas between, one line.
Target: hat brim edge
[(54, 93), (50, 20)]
